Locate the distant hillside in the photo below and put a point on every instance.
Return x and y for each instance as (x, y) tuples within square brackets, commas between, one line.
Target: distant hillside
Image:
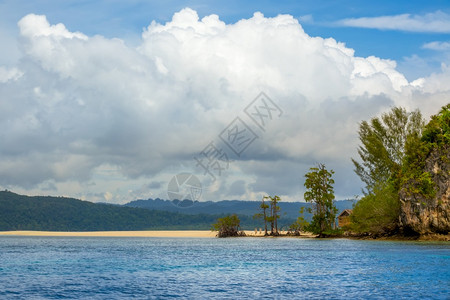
[(289, 210), (18, 212)]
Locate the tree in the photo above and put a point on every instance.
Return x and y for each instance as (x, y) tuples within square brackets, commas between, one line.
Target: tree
[(437, 131), (273, 215), (228, 226), (425, 179), (319, 185), (383, 146), (300, 224), (386, 142), (435, 138), (376, 212), (274, 209), (263, 214)]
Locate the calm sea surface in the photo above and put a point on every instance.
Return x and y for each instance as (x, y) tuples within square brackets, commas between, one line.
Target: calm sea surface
[(255, 268)]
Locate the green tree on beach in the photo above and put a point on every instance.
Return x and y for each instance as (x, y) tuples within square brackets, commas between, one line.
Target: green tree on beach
[(263, 214), (274, 209), (228, 226), (320, 192), (270, 214), (300, 224)]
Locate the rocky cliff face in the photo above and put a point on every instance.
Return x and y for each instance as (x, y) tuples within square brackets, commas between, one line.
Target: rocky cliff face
[(426, 216)]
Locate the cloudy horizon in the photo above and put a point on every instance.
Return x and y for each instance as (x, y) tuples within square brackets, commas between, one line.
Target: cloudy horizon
[(109, 119)]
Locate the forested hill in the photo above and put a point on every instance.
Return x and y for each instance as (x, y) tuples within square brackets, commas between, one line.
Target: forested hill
[(18, 212), (288, 209)]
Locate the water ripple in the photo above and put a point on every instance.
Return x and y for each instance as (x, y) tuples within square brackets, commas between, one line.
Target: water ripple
[(242, 268)]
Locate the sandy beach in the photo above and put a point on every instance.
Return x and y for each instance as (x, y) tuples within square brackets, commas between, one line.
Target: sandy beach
[(150, 233), (147, 233)]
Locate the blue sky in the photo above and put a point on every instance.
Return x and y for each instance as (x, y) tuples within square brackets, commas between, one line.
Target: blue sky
[(126, 19), (97, 102)]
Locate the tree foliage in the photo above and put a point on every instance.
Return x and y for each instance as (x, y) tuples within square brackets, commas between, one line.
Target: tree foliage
[(377, 212), (274, 209), (320, 192), (383, 142), (435, 136), (300, 224), (263, 214), (269, 213), (394, 151), (228, 226), (437, 131)]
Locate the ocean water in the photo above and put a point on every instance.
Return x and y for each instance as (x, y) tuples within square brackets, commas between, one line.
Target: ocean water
[(235, 268)]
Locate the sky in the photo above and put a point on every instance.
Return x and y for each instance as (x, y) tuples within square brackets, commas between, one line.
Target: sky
[(108, 101)]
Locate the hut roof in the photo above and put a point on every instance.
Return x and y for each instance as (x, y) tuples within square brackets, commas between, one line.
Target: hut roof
[(345, 212)]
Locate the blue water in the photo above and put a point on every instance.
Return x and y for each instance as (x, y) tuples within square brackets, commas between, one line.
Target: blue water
[(240, 268)]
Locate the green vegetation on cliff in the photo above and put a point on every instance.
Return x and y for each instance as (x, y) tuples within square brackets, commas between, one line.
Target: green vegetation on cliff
[(395, 151), (435, 138), (425, 183)]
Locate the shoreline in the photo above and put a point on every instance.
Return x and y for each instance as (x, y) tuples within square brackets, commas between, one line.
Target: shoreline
[(140, 233), (143, 233), (209, 234), (420, 238)]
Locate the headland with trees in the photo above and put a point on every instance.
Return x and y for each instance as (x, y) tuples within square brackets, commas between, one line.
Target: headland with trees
[(404, 163)]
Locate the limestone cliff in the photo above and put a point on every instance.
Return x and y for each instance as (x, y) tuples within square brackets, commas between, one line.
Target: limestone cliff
[(426, 215)]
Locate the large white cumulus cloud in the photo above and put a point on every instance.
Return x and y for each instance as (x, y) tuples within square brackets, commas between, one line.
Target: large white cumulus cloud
[(273, 52), (76, 103)]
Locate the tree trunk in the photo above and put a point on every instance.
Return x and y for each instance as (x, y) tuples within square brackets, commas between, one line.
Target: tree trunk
[(265, 220)]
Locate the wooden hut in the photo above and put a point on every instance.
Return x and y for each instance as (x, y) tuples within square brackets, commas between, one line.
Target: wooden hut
[(344, 217)]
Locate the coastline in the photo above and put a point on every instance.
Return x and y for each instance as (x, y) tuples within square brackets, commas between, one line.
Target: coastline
[(208, 234), (144, 233), (421, 238)]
